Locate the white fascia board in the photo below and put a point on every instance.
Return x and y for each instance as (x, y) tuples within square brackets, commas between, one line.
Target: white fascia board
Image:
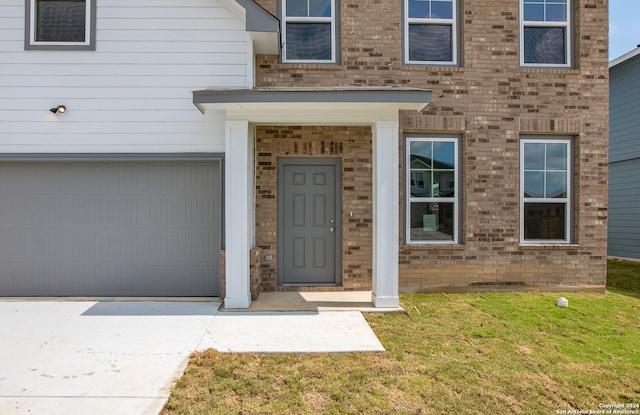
[(627, 56), (318, 113), (313, 106)]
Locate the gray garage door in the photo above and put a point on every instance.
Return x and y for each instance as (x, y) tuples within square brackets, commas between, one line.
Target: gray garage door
[(106, 228)]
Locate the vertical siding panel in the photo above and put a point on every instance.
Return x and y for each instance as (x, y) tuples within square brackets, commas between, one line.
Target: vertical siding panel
[(624, 209), (624, 142), (624, 167)]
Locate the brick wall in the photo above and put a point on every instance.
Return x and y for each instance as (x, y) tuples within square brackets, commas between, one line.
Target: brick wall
[(353, 146), (490, 101)]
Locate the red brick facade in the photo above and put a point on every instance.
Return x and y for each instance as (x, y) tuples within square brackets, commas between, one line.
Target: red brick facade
[(490, 101)]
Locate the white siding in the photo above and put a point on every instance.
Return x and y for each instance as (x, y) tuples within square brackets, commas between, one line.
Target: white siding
[(133, 93)]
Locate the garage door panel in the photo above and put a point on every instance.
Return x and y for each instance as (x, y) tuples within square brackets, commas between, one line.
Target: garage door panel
[(114, 229), (106, 279), (136, 245)]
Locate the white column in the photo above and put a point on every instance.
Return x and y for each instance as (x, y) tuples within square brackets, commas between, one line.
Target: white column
[(385, 214), (237, 207)]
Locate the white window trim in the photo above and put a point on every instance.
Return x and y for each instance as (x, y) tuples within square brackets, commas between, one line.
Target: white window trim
[(427, 21), (566, 200), (89, 28), (302, 19), (568, 37), (455, 199)]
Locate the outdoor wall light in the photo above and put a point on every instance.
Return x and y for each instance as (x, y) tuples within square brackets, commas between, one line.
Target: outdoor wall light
[(60, 108)]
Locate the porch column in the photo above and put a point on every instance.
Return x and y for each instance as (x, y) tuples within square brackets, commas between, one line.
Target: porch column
[(237, 211), (385, 214)]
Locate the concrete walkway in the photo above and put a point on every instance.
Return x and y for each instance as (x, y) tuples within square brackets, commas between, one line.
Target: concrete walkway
[(88, 357)]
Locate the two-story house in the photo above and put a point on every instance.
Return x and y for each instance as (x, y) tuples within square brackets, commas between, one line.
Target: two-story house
[(392, 146)]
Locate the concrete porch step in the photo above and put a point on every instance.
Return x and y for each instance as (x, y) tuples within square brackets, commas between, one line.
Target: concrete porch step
[(317, 301)]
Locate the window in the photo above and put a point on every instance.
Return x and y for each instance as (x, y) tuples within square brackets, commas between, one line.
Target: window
[(432, 194), (309, 31), (60, 24), (430, 32), (545, 183), (545, 35)]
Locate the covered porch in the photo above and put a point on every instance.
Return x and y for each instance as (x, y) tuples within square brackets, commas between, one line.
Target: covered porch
[(375, 110)]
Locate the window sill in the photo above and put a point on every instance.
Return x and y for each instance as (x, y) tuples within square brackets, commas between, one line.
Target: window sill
[(433, 68), (548, 246), (311, 65), (59, 46), (549, 69), (416, 247), (447, 65)]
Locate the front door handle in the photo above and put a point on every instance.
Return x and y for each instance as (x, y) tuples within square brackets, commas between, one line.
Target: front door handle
[(331, 229)]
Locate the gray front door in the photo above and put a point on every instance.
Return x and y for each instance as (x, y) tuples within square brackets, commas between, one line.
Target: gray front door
[(309, 224)]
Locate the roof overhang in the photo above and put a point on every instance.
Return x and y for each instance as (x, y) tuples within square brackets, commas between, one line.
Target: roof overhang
[(624, 58), (263, 27), (312, 106)]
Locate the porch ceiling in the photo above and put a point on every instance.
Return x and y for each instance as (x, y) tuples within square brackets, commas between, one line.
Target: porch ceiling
[(313, 106)]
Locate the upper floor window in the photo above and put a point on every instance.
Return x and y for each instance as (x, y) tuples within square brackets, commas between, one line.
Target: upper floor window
[(432, 196), (430, 32), (545, 195), (309, 31), (545, 33), (60, 24)]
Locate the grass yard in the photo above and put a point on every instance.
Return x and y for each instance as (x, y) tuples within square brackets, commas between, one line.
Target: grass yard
[(489, 353)]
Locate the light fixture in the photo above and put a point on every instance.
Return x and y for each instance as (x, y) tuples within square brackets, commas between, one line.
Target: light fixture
[(60, 108)]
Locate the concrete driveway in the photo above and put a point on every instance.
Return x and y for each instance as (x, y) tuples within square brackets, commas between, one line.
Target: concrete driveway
[(68, 357)]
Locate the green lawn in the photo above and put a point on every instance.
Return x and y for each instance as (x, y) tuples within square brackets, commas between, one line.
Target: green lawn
[(490, 353)]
